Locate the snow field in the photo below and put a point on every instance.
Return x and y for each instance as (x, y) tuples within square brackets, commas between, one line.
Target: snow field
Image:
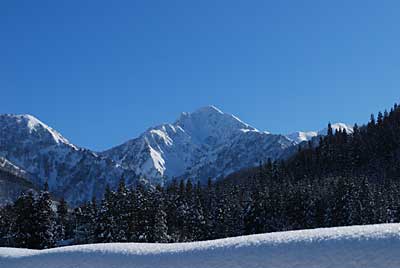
[(371, 246)]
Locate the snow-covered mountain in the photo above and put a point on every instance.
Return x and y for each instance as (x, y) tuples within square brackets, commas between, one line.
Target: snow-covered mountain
[(368, 246), (202, 144), (76, 173), (205, 143)]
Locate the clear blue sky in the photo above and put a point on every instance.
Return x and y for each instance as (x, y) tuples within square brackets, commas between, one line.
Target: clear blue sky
[(102, 72)]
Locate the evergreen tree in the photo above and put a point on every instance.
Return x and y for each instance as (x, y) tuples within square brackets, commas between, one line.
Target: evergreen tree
[(209, 210), (145, 214), (195, 220), (106, 225), (7, 217), (160, 228), (63, 224), (45, 220), (122, 213), (24, 231)]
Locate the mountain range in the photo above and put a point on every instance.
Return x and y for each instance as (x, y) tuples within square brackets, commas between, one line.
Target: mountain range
[(198, 145)]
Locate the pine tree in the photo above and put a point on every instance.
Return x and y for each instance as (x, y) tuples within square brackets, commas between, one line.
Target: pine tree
[(222, 216), (24, 231), (7, 222), (145, 214), (121, 208), (63, 224), (329, 131), (209, 210), (45, 220), (171, 208), (195, 220), (160, 228), (132, 215), (182, 220), (253, 216), (106, 225), (86, 221)]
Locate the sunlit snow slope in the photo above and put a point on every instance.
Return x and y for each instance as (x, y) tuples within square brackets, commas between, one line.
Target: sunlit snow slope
[(371, 246)]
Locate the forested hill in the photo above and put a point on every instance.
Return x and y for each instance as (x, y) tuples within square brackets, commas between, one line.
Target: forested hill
[(346, 179), (372, 151)]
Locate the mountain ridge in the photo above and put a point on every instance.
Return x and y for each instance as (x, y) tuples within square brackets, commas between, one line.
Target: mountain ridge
[(205, 137), (198, 145)]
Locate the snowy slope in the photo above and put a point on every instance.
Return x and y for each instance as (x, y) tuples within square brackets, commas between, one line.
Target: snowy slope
[(73, 172), (372, 246), (202, 144)]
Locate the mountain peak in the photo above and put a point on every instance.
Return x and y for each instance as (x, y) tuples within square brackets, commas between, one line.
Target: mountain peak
[(210, 121), (32, 124), (209, 109), (202, 112), (200, 144)]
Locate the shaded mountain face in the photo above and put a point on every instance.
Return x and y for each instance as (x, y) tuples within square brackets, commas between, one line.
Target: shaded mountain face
[(13, 181), (72, 172), (198, 145)]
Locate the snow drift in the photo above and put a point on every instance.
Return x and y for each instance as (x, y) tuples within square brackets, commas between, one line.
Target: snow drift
[(371, 246)]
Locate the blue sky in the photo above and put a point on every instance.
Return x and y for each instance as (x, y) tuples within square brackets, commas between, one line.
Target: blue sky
[(101, 72)]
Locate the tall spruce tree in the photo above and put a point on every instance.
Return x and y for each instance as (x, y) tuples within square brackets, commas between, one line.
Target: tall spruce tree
[(160, 228), (63, 224), (7, 217), (24, 229), (45, 220), (122, 213), (106, 225)]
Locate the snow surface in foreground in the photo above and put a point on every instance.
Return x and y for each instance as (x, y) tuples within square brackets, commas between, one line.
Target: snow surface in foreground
[(371, 246)]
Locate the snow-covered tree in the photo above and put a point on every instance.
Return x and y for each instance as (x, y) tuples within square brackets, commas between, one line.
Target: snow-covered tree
[(45, 220)]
